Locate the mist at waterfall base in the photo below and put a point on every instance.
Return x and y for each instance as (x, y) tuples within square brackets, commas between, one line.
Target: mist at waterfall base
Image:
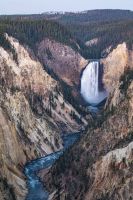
[(92, 89)]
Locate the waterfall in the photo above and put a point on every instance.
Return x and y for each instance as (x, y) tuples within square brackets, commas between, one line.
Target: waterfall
[(90, 84)]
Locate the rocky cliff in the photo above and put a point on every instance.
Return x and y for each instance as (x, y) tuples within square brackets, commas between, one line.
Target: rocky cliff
[(115, 64), (63, 61), (33, 113), (100, 166)]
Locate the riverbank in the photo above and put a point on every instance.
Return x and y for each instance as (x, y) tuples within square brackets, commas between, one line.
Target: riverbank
[(36, 189)]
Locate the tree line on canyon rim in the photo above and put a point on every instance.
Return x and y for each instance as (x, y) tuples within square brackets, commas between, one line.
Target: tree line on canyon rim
[(110, 28)]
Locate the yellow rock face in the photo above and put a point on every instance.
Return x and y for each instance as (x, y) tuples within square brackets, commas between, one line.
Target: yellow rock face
[(23, 134), (115, 65)]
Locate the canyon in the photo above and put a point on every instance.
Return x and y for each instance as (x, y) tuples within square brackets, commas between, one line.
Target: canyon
[(65, 117), (101, 164), (33, 114)]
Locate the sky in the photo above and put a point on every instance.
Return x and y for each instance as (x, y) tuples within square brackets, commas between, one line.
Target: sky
[(40, 6)]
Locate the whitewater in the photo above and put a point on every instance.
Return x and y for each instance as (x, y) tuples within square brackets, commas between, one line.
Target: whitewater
[(90, 84)]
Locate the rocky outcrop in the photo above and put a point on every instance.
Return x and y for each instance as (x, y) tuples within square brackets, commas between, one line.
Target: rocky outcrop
[(62, 60), (92, 42), (115, 65), (33, 113), (100, 166), (113, 175)]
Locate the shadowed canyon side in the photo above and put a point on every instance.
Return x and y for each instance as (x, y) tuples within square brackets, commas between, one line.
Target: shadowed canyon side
[(100, 166), (66, 63), (33, 113)]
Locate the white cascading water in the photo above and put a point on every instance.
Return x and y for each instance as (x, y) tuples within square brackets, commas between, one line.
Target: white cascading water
[(90, 84)]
